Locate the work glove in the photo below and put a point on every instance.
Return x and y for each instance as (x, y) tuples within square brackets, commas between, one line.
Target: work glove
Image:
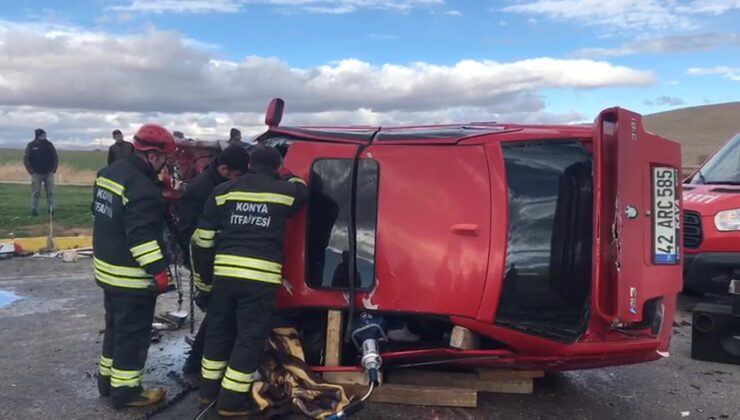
[(162, 280)]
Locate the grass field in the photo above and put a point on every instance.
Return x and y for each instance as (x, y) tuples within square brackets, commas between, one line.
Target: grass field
[(72, 215), (81, 160)]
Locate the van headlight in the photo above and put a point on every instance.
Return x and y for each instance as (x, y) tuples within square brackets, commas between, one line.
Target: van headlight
[(727, 220)]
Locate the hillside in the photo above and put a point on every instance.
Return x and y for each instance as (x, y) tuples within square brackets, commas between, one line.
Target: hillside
[(701, 130)]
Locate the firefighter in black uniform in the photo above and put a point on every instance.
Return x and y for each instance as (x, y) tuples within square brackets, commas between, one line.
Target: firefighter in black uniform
[(232, 163), (129, 263), (245, 263)]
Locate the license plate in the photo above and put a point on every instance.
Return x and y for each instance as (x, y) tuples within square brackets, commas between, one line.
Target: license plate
[(666, 216)]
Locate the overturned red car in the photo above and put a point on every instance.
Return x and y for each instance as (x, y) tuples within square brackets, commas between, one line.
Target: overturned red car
[(557, 247)]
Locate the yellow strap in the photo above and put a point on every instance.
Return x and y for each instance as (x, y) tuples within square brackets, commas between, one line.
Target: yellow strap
[(118, 270), (205, 233), (255, 198), (227, 383), (144, 248), (242, 273), (247, 262)]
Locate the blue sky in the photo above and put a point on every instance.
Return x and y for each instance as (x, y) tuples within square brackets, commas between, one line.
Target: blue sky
[(81, 68)]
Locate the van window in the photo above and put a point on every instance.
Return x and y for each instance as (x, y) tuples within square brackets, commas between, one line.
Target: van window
[(327, 229)]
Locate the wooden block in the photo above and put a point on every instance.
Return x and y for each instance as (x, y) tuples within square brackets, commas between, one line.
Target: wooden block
[(349, 378), (333, 338), (494, 374), (464, 339), (415, 395), (461, 380)]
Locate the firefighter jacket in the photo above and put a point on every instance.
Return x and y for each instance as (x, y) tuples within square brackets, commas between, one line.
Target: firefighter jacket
[(241, 232), (128, 245), (189, 209)]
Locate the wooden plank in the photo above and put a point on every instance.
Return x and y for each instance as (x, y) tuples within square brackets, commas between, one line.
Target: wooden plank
[(495, 374), (333, 338), (349, 378), (463, 339), (414, 395), (462, 380)]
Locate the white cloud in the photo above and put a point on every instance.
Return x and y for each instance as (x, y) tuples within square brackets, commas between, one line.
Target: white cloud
[(666, 45), (732, 73), (454, 13), (181, 6), (624, 14), (715, 7), (233, 6), (163, 75)]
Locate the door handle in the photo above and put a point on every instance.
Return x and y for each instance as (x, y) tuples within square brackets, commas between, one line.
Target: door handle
[(465, 228)]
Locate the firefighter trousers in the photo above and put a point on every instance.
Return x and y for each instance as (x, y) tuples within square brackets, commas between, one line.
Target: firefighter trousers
[(240, 314), (128, 325)]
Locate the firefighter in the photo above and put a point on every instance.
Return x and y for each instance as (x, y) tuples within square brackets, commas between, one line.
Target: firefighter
[(230, 164), (244, 263), (129, 263)]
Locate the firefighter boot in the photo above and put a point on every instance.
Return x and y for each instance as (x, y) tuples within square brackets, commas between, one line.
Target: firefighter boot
[(104, 385), (147, 397)]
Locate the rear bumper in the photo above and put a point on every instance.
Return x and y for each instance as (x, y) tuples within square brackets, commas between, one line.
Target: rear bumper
[(710, 272)]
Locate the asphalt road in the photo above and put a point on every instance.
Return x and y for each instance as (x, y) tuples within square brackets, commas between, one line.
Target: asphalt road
[(50, 342)]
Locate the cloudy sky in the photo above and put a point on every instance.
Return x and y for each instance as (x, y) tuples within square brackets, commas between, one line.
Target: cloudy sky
[(80, 68)]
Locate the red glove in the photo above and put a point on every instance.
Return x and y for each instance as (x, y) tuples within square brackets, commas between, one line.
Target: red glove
[(162, 280)]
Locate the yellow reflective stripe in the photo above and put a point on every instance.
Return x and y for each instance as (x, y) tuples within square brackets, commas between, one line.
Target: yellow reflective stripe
[(113, 187), (297, 180), (104, 371), (129, 378), (227, 383), (104, 361), (118, 383), (241, 377), (213, 375), (243, 273), (205, 233), (200, 285), (255, 198), (150, 257), (124, 282), (110, 185), (120, 270), (144, 248), (247, 262), (213, 365), (126, 374)]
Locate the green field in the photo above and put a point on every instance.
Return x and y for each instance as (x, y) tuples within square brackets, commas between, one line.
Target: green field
[(72, 215), (80, 160)]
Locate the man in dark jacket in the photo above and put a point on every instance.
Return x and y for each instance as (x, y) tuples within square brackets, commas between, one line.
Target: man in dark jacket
[(41, 163), (130, 265), (120, 149), (230, 164), (244, 263)]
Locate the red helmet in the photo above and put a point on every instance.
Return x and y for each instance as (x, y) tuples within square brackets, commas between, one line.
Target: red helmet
[(154, 137)]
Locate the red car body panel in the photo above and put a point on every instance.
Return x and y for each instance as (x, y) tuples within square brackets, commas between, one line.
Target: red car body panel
[(442, 229)]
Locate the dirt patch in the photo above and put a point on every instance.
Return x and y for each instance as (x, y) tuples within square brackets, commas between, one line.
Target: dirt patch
[(43, 230), (65, 174)]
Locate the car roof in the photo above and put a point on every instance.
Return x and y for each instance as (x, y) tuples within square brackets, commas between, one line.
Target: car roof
[(444, 133)]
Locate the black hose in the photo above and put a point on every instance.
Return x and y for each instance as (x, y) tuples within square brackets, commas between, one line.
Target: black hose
[(352, 233)]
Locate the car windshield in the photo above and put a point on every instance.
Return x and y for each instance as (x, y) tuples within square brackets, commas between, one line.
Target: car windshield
[(723, 167)]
